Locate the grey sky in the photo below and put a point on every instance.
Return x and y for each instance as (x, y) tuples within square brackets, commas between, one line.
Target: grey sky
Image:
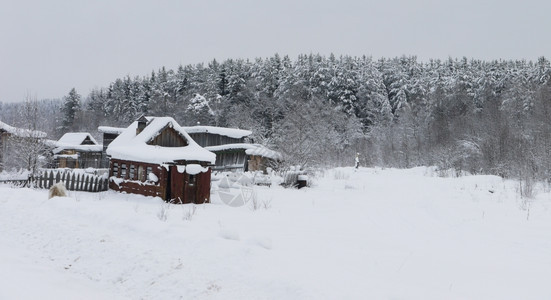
[(48, 47)]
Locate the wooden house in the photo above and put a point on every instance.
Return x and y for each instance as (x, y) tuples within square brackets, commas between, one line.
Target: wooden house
[(154, 156), (8, 133), (233, 152), (77, 150)]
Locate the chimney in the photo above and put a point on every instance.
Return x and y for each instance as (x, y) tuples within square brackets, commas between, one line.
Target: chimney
[(142, 123)]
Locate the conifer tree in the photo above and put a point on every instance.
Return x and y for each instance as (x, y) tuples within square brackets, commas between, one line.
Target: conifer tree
[(71, 107)]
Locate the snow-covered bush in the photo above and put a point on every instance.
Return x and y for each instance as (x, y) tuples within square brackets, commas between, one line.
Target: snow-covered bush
[(188, 211), (162, 214)]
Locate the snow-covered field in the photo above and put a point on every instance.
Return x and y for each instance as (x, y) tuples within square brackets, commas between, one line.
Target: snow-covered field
[(371, 234)]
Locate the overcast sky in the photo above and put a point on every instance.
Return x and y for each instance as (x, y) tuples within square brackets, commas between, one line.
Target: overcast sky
[(48, 47)]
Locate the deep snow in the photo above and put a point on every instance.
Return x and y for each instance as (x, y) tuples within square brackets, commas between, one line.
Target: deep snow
[(370, 234)]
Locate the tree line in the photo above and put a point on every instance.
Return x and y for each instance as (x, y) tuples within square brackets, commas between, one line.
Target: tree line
[(471, 115)]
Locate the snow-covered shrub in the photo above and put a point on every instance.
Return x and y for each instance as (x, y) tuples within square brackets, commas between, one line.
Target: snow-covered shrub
[(526, 187), (267, 204), (162, 214), (254, 204), (340, 174), (188, 211)]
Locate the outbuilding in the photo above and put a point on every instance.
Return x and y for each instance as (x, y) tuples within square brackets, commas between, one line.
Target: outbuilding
[(233, 148), (77, 150)]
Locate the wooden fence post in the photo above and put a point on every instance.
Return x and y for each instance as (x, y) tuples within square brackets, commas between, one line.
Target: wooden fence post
[(78, 183), (92, 186), (57, 177), (85, 183), (72, 186), (73, 181), (51, 180), (45, 180)]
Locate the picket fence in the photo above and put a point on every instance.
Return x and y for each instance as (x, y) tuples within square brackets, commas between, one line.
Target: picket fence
[(72, 181)]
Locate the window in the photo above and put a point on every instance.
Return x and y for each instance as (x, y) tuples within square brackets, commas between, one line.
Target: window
[(141, 173), (149, 170), (132, 171), (115, 169), (192, 180), (123, 170)]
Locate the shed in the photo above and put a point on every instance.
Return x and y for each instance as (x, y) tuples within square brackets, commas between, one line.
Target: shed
[(155, 156), (214, 136), (77, 150), (244, 157), (233, 152)]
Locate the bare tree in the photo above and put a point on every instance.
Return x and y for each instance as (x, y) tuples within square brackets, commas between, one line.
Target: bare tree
[(27, 148)]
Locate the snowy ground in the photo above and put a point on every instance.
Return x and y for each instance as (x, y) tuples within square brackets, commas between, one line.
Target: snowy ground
[(371, 234)]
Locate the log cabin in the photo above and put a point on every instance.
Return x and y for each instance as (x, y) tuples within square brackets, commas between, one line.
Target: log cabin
[(155, 156)]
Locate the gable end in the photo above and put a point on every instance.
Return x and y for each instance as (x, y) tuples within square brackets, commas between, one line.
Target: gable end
[(168, 137), (87, 141)]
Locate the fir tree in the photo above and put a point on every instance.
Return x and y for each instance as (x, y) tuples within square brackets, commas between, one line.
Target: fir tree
[(71, 107)]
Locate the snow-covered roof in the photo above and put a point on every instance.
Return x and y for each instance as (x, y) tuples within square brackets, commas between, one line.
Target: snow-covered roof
[(230, 147), (111, 130), (264, 152), (129, 146), (74, 140), (229, 132), (81, 148), (21, 132), (50, 143), (250, 149)]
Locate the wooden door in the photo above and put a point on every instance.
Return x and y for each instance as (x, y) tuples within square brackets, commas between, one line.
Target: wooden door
[(191, 188), (177, 186)]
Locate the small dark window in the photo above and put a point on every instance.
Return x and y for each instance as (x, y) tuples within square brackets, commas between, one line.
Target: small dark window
[(123, 170), (132, 171), (192, 180), (149, 170), (115, 169), (141, 173)]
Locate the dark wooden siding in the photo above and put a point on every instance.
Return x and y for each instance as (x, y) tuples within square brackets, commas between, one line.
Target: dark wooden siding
[(87, 141), (209, 139), (3, 147), (89, 160), (169, 138), (134, 186), (231, 160), (107, 139), (85, 159), (186, 188), (203, 188)]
